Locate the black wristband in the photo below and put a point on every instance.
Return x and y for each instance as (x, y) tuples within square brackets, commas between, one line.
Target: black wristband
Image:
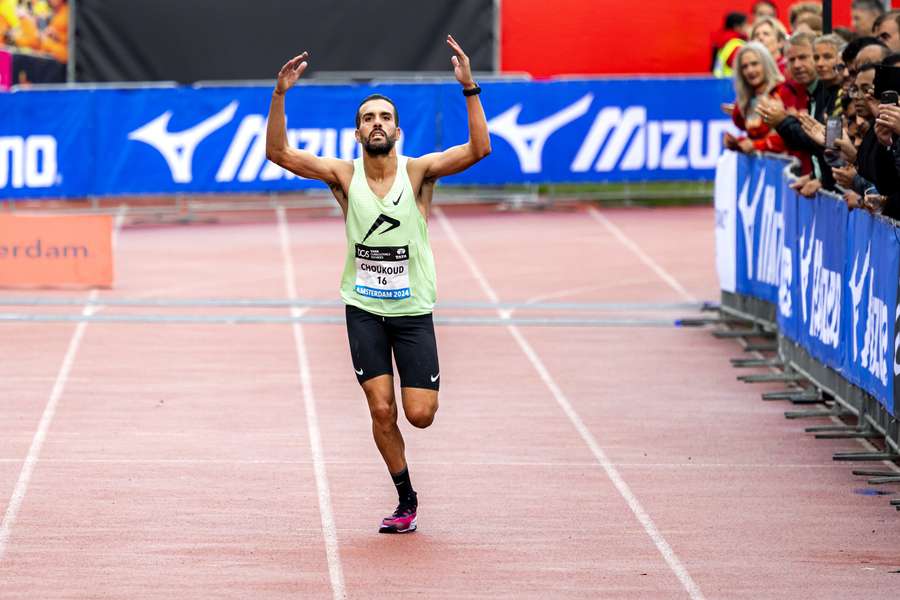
[(472, 92)]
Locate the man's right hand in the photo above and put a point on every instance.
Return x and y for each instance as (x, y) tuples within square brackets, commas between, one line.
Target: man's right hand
[(291, 72)]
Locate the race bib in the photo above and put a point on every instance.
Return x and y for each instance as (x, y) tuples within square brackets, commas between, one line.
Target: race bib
[(382, 272)]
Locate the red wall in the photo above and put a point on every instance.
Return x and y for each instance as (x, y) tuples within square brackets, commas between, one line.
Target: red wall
[(557, 37)]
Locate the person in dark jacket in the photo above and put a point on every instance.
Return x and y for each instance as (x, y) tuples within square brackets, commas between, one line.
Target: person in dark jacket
[(824, 102), (875, 163)]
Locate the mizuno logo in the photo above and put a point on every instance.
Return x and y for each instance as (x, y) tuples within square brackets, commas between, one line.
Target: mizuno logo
[(382, 218), (178, 148), (528, 140), (28, 161), (397, 201)]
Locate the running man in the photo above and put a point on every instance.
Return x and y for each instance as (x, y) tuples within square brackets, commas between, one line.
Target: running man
[(388, 284)]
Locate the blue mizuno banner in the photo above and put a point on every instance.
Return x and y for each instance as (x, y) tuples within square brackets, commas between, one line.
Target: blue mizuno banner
[(832, 273), (185, 140), (760, 226)]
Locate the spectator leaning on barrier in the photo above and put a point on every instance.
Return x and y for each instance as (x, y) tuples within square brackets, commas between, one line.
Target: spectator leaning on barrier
[(887, 29), (874, 163), (887, 130), (726, 42), (755, 77), (803, 132), (801, 85), (864, 13), (770, 32)]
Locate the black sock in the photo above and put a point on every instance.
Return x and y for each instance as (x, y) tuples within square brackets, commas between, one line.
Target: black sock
[(404, 487)]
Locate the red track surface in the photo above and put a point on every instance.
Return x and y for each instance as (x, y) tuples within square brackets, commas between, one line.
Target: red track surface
[(177, 462)]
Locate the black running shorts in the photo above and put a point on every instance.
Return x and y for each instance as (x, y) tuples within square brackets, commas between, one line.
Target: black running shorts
[(411, 339)]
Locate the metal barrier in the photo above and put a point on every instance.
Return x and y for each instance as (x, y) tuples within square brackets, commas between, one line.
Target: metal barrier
[(787, 288)]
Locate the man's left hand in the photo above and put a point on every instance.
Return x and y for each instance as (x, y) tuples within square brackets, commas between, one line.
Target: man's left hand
[(461, 67)]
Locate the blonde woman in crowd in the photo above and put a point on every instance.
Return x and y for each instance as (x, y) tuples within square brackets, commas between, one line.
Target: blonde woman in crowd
[(756, 76)]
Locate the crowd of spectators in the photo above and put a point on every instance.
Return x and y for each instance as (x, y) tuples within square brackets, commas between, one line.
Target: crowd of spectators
[(36, 26), (829, 100)]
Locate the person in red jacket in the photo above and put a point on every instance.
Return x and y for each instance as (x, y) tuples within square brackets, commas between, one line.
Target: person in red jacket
[(755, 77)]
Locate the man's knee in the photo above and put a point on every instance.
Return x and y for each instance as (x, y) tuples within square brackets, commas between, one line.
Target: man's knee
[(382, 405), (383, 412), (421, 416)]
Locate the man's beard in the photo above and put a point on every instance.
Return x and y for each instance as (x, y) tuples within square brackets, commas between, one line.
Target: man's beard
[(381, 147)]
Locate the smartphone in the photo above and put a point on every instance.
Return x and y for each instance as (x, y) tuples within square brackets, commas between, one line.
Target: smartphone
[(833, 131), (889, 97)]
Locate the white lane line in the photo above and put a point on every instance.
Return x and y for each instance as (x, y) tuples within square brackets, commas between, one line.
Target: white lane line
[(658, 540), (329, 530), (59, 386), (37, 442), (643, 256), (373, 465)]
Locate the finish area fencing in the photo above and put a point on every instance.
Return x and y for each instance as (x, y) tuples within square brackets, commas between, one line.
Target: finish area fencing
[(100, 142), (824, 277)]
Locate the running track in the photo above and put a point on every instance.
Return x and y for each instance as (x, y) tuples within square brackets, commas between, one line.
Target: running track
[(187, 460)]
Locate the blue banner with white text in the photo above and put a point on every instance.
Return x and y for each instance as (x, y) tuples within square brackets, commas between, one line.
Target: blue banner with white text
[(832, 274), (106, 142)]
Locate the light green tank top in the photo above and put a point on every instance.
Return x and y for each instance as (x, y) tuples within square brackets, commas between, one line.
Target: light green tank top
[(389, 270)]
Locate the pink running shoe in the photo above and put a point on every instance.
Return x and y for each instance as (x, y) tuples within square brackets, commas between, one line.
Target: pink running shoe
[(402, 521)]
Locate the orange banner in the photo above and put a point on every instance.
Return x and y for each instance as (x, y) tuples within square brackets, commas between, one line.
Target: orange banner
[(56, 251)]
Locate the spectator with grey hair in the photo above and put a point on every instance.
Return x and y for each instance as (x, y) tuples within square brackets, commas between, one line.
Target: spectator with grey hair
[(864, 13), (755, 77)]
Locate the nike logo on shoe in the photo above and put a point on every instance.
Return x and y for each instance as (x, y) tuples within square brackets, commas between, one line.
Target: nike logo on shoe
[(358, 371), (435, 377)]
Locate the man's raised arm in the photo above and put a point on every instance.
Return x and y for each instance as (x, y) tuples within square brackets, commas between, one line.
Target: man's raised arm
[(459, 158), (303, 163)]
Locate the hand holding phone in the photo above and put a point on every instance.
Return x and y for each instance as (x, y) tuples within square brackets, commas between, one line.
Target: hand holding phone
[(833, 131)]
